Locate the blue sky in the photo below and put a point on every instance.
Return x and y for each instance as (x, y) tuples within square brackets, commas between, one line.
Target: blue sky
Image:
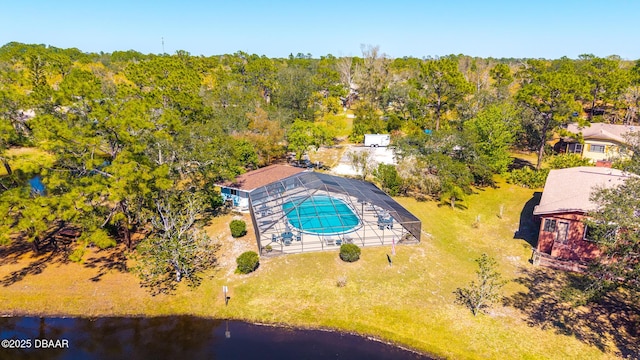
[(276, 28)]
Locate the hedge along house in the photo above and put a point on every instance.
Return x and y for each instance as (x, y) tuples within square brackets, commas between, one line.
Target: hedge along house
[(563, 239), (600, 141), (312, 211), (236, 193)]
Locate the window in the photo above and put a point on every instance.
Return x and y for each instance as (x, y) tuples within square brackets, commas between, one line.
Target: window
[(597, 149), (574, 148), (590, 233), (597, 232), (578, 149), (233, 191), (549, 225), (563, 230)]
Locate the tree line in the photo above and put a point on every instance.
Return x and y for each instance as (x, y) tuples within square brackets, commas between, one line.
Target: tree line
[(135, 141)]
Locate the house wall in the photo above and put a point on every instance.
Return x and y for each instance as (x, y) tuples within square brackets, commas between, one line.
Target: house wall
[(611, 150), (575, 248), (240, 198)]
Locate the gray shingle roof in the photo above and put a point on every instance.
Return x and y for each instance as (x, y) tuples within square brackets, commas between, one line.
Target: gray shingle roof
[(602, 131), (568, 190)]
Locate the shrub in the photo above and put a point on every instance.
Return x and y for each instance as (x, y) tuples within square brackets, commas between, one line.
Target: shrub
[(623, 164), (389, 179), (482, 174), (238, 228), (247, 262), (564, 161), (527, 177), (450, 193), (349, 252), (342, 281)]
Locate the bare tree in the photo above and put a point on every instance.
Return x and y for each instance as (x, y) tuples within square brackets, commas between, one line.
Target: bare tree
[(631, 98), (478, 296), (362, 161), (347, 70), (372, 76)]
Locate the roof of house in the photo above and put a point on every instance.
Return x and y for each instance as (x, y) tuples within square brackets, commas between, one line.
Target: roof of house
[(569, 190), (602, 131), (263, 176)]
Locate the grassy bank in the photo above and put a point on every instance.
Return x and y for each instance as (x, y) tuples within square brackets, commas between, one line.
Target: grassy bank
[(410, 302)]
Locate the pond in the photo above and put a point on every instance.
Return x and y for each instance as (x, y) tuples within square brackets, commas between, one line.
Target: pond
[(179, 337), (36, 184)]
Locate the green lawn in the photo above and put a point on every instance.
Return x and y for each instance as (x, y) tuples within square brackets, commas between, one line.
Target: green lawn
[(410, 302)]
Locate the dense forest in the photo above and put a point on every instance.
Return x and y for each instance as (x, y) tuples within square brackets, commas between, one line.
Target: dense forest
[(126, 143)]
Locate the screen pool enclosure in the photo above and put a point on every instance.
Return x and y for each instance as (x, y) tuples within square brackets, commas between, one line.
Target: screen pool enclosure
[(321, 215), (312, 211)]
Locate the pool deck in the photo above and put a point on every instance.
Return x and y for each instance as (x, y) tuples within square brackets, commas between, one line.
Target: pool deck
[(370, 232)]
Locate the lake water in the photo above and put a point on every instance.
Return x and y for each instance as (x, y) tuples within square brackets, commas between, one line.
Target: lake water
[(179, 337), (36, 184)]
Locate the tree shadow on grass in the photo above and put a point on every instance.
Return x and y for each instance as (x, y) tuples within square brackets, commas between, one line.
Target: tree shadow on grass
[(457, 205), (11, 254), (162, 284), (611, 323), (528, 227), (519, 163), (107, 261), (47, 255)]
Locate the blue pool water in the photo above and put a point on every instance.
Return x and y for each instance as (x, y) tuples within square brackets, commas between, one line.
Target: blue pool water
[(321, 214)]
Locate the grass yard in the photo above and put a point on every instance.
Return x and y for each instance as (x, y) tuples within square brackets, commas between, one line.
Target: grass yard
[(27, 159), (410, 302)]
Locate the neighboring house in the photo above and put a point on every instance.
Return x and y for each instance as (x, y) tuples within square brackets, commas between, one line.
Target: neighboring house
[(564, 205), (601, 141), (237, 192)]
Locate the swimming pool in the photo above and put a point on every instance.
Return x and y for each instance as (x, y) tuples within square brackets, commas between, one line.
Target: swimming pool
[(321, 214)]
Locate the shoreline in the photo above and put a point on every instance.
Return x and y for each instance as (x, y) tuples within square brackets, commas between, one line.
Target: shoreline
[(271, 325), (408, 305)]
